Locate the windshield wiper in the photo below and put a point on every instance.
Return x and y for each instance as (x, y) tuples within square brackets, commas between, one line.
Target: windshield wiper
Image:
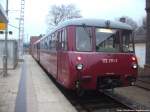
[(86, 30)]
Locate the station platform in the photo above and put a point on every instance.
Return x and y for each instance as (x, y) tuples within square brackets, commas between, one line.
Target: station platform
[(29, 89)]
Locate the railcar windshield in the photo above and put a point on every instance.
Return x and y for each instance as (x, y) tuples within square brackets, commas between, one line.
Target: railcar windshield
[(83, 39), (107, 40), (113, 40)]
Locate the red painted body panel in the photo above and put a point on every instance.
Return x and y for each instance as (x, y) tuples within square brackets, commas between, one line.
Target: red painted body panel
[(63, 70), (49, 61), (71, 39), (94, 67), (35, 54)]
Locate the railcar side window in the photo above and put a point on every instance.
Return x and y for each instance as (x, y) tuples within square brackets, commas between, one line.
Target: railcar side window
[(53, 41), (50, 42), (41, 44), (45, 43), (83, 39), (38, 46), (127, 42), (64, 40), (58, 39)]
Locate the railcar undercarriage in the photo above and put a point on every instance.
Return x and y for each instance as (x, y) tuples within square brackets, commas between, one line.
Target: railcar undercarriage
[(108, 82)]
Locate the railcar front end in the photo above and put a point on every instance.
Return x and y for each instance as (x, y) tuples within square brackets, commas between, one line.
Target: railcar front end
[(93, 71), (103, 58)]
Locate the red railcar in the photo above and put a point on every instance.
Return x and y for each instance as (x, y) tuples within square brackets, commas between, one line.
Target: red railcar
[(89, 54)]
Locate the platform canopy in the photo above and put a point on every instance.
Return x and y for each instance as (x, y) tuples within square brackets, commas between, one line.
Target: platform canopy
[(3, 16)]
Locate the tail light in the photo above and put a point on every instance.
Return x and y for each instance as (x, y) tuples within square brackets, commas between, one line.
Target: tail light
[(79, 58), (133, 58), (134, 63)]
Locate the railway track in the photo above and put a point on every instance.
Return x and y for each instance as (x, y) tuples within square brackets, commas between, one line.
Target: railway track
[(95, 102), (144, 84), (133, 106)]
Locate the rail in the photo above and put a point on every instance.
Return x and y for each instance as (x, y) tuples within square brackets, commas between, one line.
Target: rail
[(125, 101)]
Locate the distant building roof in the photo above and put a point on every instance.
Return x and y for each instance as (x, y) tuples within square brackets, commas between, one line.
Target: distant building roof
[(140, 35)]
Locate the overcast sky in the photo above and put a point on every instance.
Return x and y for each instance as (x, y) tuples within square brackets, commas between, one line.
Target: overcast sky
[(37, 10)]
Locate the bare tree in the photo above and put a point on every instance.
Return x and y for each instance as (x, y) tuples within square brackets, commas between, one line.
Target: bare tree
[(141, 30), (130, 22), (60, 13)]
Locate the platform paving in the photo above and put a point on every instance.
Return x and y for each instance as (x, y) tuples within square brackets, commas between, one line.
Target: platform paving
[(43, 95), (29, 89), (9, 89)]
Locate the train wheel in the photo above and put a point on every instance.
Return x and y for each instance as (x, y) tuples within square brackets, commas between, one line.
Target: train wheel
[(80, 92)]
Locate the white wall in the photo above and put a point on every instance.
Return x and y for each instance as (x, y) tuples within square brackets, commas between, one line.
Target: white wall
[(140, 53)]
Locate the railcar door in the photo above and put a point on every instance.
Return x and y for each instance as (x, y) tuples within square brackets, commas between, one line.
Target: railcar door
[(59, 55), (38, 51), (62, 56)]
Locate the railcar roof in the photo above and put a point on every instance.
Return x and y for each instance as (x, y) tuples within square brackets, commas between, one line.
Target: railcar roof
[(94, 22), (91, 22)]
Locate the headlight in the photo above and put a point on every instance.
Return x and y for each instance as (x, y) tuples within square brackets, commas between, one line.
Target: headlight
[(134, 66), (79, 66)]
